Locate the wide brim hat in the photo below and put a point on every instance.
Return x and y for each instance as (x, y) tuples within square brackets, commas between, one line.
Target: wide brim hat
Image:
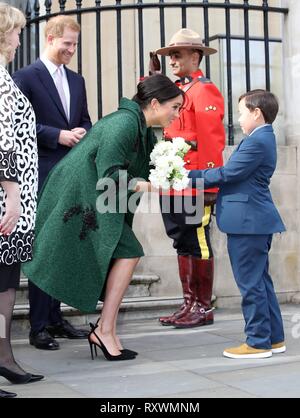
[(186, 39)]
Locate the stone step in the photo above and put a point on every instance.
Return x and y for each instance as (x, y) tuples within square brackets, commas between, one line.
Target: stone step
[(132, 308), (139, 287), (137, 304)]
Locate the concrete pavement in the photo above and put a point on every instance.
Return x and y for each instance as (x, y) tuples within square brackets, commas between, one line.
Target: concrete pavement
[(171, 364)]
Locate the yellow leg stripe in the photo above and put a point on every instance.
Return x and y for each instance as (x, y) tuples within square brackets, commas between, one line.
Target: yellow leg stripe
[(201, 233)]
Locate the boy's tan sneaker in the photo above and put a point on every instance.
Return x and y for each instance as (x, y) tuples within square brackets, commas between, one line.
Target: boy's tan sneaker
[(279, 348), (244, 351)]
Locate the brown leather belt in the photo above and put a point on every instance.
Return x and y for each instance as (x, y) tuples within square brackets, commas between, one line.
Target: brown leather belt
[(192, 144)]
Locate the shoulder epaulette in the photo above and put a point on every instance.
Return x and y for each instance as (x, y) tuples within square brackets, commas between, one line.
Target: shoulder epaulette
[(204, 80)]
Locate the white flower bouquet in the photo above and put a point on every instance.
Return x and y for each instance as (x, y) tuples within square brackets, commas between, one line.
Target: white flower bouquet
[(167, 159)]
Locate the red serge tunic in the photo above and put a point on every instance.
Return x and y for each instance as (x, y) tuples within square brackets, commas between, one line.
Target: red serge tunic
[(200, 121)]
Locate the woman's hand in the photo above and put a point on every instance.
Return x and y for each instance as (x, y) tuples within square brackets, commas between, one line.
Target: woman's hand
[(13, 208), (145, 186)]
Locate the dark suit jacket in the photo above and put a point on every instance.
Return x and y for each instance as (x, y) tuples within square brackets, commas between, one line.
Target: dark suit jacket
[(244, 204), (37, 84)]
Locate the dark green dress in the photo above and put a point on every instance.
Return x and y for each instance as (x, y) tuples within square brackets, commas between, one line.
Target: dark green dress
[(75, 243)]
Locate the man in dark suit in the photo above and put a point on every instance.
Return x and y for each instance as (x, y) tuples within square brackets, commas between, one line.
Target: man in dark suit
[(58, 96), (247, 214)]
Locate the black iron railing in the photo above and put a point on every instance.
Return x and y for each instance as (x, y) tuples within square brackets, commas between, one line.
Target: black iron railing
[(38, 12)]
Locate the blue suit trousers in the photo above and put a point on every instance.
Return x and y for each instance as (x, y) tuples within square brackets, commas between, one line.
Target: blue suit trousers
[(249, 257)]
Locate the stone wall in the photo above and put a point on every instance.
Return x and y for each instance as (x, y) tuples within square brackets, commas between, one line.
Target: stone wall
[(291, 82), (291, 71)]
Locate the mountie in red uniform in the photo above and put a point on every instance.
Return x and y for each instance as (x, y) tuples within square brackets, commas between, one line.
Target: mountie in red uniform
[(201, 125)]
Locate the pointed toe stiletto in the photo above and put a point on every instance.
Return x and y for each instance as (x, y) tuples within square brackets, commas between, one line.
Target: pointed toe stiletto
[(123, 356), (123, 350), (19, 379), (4, 394), (35, 378), (127, 351)]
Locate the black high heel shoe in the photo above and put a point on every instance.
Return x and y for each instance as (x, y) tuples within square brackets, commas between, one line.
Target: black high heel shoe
[(18, 379), (127, 351), (4, 394), (107, 355), (124, 350)]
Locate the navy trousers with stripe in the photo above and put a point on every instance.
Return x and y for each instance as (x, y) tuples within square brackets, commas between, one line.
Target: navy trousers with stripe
[(189, 238)]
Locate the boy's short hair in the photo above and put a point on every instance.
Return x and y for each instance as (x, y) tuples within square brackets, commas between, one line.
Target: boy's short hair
[(264, 100), (56, 26)]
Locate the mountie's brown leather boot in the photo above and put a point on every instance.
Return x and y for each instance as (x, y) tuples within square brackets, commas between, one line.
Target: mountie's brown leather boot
[(185, 263), (201, 312)]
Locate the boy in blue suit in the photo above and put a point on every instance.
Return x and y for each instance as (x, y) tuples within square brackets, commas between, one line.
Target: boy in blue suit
[(246, 213)]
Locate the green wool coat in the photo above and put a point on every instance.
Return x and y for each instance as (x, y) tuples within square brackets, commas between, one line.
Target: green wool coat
[(75, 243)]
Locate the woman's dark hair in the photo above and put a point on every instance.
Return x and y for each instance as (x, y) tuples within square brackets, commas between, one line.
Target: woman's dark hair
[(264, 100), (157, 86)]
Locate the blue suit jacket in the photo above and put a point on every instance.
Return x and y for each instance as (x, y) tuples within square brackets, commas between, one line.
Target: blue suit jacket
[(37, 84), (244, 203)]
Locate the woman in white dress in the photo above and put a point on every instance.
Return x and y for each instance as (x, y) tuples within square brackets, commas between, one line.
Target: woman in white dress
[(18, 190)]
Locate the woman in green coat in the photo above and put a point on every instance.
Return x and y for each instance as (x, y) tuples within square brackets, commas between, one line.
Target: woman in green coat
[(85, 246)]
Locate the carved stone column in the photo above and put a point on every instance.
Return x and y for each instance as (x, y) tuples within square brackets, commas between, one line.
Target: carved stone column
[(291, 71)]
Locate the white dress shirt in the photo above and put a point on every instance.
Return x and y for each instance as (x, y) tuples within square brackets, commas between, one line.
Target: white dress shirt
[(259, 127), (52, 68)]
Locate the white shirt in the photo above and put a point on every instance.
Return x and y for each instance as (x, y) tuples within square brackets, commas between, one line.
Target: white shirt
[(259, 127), (52, 68)]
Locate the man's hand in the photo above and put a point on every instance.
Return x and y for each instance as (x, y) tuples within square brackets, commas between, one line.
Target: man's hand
[(13, 208), (79, 131), (71, 138), (210, 198)]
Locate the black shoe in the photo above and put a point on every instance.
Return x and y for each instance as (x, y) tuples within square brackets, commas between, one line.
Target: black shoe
[(43, 341), (127, 351), (66, 330), (4, 394), (18, 379), (107, 355), (124, 351)]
